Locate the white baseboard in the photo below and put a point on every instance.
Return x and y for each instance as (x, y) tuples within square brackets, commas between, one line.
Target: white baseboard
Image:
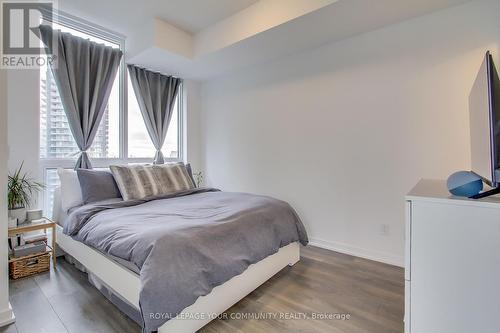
[(384, 257), (7, 316)]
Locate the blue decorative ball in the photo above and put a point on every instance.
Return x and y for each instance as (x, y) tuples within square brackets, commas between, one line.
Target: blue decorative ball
[(464, 184)]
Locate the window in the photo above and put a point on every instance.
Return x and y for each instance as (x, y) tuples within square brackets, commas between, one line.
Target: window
[(122, 136), (51, 181), (139, 143), (56, 140)]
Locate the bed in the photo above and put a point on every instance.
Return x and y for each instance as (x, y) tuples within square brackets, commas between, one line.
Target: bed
[(214, 294)]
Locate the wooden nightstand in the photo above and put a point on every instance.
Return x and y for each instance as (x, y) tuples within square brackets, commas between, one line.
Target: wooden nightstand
[(30, 226)]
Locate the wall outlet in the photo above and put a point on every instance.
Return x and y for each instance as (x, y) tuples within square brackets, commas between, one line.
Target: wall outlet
[(384, 229)]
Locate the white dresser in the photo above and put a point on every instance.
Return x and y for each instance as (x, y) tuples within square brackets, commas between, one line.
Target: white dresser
[(452, 268)]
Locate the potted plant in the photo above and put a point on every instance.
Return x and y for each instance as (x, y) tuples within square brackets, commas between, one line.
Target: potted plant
[(21, 190)]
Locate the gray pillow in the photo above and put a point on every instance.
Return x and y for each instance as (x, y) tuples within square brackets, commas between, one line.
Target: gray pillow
[(190, 173), (97, 185)]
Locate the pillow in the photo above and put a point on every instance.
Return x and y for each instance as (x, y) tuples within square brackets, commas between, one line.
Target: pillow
[(141, 181), (190, 173), (97, 185), (173, 177), (71, 194)]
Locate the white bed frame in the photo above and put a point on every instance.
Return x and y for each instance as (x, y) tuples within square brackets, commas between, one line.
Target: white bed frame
[(127, 284)]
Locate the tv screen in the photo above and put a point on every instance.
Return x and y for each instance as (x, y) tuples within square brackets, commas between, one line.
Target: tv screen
[(484, 109)]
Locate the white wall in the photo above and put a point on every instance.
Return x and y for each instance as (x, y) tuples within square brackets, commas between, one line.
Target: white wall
[(6, 315), (192, 126), (342, 132), (24, 120)]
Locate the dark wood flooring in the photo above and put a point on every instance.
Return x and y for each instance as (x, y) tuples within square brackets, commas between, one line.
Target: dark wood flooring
[(323, 282)]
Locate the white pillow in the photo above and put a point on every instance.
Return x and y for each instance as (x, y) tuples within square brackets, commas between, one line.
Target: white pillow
[(71, 194)]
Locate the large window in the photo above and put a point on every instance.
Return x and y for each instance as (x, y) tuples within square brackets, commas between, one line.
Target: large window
[(56, 140), (122, 136), (139, 143)]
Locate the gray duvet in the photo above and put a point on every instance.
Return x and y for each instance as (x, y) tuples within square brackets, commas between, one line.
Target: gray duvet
[(186, 244)]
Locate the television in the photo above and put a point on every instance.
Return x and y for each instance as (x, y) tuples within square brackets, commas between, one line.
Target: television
[(484, 111)]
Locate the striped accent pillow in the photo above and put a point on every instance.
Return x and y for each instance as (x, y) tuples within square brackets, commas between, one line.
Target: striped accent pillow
[(142, 181)]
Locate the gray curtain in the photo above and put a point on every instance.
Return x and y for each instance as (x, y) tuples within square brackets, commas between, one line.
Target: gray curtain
[(84, 72), (156, 94)]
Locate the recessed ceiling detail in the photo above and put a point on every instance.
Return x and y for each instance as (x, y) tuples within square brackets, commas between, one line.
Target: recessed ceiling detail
[(203, 39)]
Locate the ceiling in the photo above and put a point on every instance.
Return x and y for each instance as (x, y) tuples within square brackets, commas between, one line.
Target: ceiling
[(331, 23), (196, 15), (188, 15), (204, 39)]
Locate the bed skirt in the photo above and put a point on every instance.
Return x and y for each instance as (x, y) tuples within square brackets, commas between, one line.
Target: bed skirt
[(122, 304)]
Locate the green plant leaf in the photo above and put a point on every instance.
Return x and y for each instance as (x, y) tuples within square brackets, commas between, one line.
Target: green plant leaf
[(21, 189)]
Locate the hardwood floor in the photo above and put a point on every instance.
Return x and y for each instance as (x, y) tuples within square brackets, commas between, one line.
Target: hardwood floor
[(323, 282)]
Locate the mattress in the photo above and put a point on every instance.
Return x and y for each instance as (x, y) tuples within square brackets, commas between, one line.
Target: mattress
[(122, 262)]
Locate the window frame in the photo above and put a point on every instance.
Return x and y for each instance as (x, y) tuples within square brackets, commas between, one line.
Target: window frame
[(98, 31)]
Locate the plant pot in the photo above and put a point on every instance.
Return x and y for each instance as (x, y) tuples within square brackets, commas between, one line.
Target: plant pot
[(19, 213), (12, 222)]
